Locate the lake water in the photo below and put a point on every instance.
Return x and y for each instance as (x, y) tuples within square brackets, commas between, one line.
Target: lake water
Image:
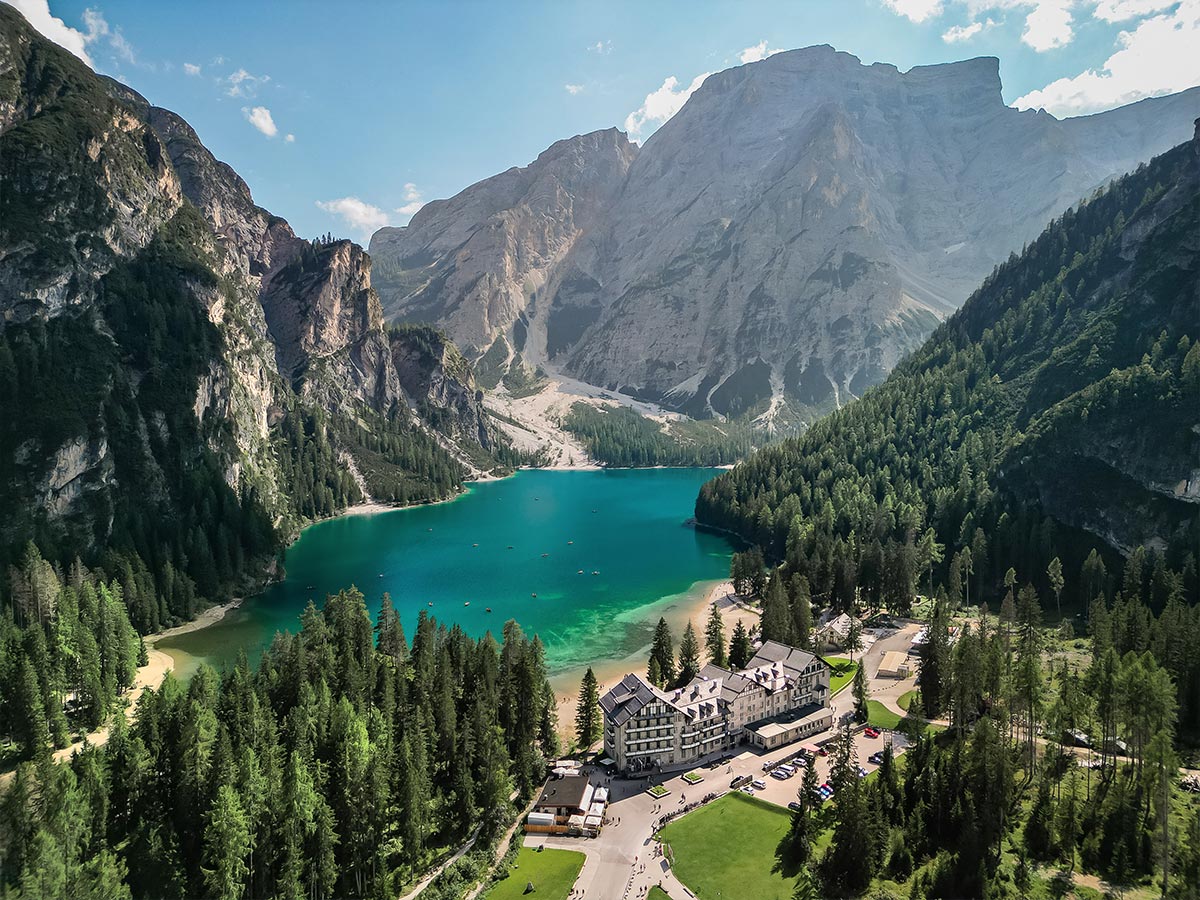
[(605, 552)]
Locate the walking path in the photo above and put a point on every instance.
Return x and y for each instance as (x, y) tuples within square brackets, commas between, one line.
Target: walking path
[(439, 869), (147, 677)]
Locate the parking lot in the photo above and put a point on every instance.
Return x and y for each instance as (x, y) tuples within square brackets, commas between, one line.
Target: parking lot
[(783, 791)]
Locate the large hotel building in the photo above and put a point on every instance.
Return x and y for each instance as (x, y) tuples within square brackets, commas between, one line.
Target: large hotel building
[(781, 696)]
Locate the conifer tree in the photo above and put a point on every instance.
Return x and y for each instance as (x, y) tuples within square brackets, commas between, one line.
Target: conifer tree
[(226, 844), (776, 614), (662, 652), (714, 637), (860, 695), (587, 715), (689, 656), (740, 651)]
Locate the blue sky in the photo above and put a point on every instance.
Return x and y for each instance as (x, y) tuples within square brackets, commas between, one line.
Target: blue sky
[(345, 116)]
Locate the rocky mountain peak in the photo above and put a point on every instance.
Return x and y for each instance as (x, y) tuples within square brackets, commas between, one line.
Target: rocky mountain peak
[(796, 228)]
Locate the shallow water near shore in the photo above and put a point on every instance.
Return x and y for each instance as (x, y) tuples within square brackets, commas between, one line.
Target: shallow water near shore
[(605, 552)]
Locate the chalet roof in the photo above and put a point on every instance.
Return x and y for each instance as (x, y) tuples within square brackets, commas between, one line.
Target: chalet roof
[(572, 792), (630, 695), (781, 656)]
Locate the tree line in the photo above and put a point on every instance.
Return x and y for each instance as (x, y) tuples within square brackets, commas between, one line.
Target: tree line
[(67, 653), (340, 767), (973, 811), (935, 481), (619, 436)]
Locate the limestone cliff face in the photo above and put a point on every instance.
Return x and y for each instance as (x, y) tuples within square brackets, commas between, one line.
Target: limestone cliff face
[(792, 232), (476, 263), (181, 325), (432, 370)]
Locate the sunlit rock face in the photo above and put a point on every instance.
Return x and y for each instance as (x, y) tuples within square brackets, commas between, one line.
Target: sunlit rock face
[(792, 232)]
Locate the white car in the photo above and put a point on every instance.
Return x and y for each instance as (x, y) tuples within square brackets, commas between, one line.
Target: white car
[(758, 784)]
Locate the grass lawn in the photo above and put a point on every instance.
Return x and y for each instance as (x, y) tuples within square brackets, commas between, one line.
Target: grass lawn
[(727, 849), (842, 672), (880, 716), (906, 699), (553, 873), (657, 893)]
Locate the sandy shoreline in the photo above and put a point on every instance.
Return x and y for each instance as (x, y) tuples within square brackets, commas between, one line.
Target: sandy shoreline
[(609, 672), (210, 616)]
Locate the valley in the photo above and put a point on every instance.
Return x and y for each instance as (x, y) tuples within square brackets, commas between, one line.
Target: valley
[(795, 494)]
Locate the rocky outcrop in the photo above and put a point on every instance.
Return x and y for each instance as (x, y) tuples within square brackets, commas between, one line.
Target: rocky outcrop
[(477, 262), (435, 375), (180, 348), (791, 233)]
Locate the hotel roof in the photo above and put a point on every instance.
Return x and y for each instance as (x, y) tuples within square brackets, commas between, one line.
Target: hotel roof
[(572, 792)]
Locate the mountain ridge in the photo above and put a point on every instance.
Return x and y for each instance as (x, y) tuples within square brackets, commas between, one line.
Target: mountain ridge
[(795, 229), (181, 375)]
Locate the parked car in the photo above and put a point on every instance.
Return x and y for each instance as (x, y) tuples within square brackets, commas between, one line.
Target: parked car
[(780, 776), (759, 784), (795, 807), (871, 732), (748, 790), (876, 758)]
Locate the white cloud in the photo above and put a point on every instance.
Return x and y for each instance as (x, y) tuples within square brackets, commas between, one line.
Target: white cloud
[(362, 217), (95, 29), (260, 117), (98, 27), (290, 138), (660, 105), (51, 27), (958, 33), (573, 89), (1158, 56), (758, 52), (1124, 10), (413, 200), (600, 47), (1048, 25), (191, 68), (915, 10), (242, 84)]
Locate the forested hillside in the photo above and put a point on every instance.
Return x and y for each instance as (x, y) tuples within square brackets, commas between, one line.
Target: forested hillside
[(184, 381), (338, 769), (1052, 420)]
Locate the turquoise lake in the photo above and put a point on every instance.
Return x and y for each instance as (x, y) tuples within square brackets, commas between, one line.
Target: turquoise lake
[(605, 552)]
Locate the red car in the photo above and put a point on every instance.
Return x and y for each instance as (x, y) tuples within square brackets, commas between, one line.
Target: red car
[(871, 732)]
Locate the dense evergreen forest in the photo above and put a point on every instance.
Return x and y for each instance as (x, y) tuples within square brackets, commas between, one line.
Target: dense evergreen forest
[(189, 535), (1040, 416), (130, 440), (67, 652), (340, 768), (618, 436)]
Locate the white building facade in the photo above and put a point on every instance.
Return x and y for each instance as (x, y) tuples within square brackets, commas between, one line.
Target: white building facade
[(648, 728)]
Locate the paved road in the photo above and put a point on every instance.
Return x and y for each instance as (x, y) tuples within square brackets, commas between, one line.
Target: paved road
[(622, 863)]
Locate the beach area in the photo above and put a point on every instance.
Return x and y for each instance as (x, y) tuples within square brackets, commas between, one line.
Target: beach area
[(693, 607)]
